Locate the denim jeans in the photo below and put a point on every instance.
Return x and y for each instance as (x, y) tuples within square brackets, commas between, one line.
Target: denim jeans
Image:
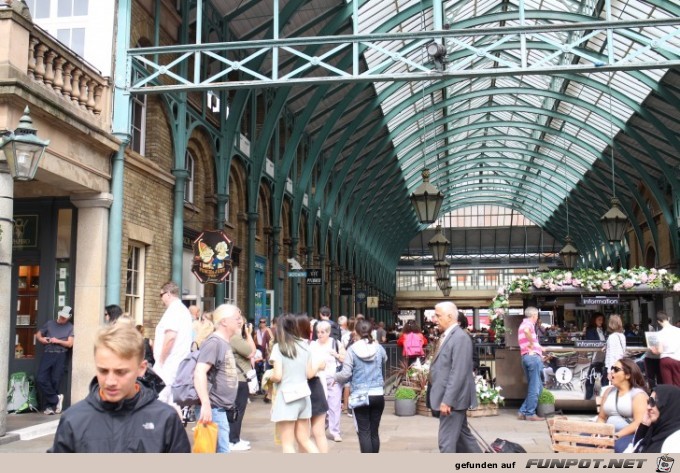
[(533, 365), (219, 416)]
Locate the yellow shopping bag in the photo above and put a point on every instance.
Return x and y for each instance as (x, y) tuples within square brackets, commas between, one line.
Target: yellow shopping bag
[(205, 438)]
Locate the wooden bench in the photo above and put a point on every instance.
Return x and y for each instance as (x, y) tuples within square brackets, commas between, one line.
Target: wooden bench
[(576, 436)]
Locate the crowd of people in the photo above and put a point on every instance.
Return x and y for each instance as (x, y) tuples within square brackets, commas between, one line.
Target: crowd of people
[(312, 371)]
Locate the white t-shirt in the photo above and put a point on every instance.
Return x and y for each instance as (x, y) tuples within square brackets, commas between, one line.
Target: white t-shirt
[(669, 342), (178, 319), (616, 349)]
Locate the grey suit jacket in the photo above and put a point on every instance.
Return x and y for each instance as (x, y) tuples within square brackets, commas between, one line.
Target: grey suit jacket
[(451, 378)]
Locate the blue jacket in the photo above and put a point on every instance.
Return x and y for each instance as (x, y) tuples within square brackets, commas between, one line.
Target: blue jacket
[(363, 367)]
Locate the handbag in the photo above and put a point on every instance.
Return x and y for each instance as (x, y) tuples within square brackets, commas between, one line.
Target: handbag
[(358, 399), (205, 438), (293, 393)]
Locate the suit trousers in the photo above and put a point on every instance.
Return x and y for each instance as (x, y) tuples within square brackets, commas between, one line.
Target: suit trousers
[(455, 435)]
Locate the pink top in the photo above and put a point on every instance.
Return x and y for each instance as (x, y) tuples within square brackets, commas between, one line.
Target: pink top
[(524, 341)]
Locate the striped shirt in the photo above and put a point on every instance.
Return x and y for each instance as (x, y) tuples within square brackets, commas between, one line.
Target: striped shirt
[(523, 341)]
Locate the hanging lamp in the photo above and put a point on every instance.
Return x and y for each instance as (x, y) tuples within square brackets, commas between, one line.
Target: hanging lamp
[(569, 253), (614, 221), (438, 245)]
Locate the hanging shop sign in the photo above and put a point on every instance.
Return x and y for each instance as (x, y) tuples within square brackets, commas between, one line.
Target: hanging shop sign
[(345, 288), (600, 300), (314, 277), (372, 302), (212, 256), (361, 296), (25, 232)]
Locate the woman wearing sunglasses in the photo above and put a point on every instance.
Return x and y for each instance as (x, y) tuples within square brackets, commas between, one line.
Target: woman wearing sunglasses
[(661, 420), (624, 403)]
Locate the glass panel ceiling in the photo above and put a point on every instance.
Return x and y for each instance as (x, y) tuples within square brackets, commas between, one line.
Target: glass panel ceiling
[(567, 119)]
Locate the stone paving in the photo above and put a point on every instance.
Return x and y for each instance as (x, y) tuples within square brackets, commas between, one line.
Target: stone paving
[(416, 434)]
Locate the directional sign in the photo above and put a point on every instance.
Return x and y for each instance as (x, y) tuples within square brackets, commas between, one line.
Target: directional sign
[(314, 277), (297, 274), (361, 296)]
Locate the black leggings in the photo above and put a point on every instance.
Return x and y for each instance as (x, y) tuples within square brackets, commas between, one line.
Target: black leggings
[(367, 422), (240, 404)]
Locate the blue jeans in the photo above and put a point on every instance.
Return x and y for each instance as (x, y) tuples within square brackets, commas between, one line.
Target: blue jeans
[(219, 416), (533, 365)]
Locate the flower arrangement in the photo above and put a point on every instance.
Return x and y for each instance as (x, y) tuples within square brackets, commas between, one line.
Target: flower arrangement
[(487, 393), (592, 280)]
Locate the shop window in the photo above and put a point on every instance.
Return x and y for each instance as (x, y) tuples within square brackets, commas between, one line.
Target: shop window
[(189, 164), (230, 287), (134, 282)]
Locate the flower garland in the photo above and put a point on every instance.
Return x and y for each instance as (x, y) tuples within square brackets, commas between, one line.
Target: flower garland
[(591, 280)]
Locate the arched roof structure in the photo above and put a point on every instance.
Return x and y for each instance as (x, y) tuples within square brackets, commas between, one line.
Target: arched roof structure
[(536, 103)]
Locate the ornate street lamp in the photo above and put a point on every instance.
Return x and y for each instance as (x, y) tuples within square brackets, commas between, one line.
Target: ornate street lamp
[(443, 282), (438, 245), (441, 269), (23, 149), (446, 290), (427, 200), (614, 222)]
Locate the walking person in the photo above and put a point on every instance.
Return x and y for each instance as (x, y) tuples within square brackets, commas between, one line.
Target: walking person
[(172, 340), (668, 350), (532, 362), (317, 384), (595, 331), (451, 391), (333, 354), (292, 406), (218, 400), (363, 368), (115, 415), (616, 342), (243, 346), (57, 337)]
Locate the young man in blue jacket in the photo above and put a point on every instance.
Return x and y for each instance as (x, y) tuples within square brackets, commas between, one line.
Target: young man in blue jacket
[(120, 414)]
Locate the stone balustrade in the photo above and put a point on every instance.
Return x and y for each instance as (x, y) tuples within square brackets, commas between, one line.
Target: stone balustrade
[(59, 68)]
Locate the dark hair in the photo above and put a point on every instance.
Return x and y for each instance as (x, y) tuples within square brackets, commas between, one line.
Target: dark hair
[(636, 380), (171, 287), (592, 323), (363, 329), (287, 335), (325, 311), (462, 320), (304, 327), (114, 312), (662, 316), (408, 327)]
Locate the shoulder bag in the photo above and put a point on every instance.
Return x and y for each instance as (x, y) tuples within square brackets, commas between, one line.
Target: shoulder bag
[(293, 393)]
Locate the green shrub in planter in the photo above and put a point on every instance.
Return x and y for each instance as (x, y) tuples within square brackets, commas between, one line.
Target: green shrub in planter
[(546, 397), (404, 392)]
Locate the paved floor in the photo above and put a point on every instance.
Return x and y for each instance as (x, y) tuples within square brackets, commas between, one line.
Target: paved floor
[(397, 434)]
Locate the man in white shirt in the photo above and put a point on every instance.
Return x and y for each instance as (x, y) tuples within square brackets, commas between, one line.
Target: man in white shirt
[(172, 341), (668, 349)]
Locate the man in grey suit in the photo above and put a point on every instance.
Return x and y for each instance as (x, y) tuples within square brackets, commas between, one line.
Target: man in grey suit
[(452, 384)]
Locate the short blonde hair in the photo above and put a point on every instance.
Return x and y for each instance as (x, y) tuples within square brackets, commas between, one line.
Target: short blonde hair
[(122, 339), (615, 324), (323, 326), (224, 311)]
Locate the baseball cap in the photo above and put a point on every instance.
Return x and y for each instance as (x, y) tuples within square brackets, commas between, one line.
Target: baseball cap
[(65, 312)]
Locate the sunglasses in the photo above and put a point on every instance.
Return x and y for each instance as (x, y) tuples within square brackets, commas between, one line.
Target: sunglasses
[(615, 369), (651, 402)]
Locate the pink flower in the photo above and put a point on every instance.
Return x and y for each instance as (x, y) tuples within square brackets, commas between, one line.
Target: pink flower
[(643, 278), (576, 282), (628, 283), (518, 290), (501, 290), (606, 285), (567, 277), (676, 286), (538, 282), (552, 287)]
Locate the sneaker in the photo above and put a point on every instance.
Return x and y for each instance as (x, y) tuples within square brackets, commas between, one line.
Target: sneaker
[(49, 411), (349, 414), (337, 438), (239, 447), (60, 402), (247, 442)]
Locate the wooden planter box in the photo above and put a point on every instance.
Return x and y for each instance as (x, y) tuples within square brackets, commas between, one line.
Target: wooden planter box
[(421, 408), (483, 411)]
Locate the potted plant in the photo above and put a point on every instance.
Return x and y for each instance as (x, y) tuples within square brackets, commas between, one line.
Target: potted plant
[(405, 401), (488, 398), (546, 403)]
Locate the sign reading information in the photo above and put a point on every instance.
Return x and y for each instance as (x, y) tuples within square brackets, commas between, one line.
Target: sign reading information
[(600, 300), (212, 257)]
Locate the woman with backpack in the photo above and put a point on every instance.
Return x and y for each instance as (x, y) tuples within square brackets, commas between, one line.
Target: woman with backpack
[(412, 342)]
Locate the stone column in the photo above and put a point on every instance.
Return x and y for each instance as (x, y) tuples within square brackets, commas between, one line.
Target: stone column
[(6, 214), (90, 285)]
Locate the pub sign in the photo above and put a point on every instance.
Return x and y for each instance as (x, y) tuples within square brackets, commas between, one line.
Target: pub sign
[(212, 256)]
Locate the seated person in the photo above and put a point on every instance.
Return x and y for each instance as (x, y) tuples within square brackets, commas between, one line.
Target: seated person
[(115, 416), (624, 403), (661, 420)]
